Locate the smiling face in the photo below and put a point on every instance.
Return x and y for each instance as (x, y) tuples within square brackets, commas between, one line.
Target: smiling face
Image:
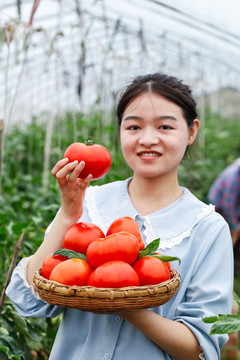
[(154, 136)]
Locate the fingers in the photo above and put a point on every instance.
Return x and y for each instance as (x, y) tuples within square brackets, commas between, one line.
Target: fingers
[(59, 165), (85, 182), (61, 172), (76, 171), (63, 168)]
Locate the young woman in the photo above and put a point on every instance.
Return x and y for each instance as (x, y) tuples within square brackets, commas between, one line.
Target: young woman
[(157, 122)]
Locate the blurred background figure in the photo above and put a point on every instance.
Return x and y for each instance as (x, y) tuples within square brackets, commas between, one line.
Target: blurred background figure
[(225, 195)]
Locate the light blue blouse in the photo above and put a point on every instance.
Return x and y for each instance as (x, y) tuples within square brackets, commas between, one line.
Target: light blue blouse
[(189, 229)]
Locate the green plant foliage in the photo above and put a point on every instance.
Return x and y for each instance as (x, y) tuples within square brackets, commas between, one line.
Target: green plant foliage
[(19, 336), (204, 163), (224, 324)]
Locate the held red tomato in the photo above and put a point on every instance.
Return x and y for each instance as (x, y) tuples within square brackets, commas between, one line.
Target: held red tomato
[(49, 263), (80, 235), (151, 270), (96, 157), (114, 274), (128, 224), (120, 246), (72, 272)]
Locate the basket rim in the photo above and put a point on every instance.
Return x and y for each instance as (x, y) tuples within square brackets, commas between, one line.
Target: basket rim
[(168, 286)]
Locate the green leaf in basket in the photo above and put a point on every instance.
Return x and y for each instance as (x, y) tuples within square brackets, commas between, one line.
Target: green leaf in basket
[(149, 249), (70, 254), (166, 258)]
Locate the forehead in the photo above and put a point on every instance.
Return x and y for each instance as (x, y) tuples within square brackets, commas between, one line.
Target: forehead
[(152, 103)]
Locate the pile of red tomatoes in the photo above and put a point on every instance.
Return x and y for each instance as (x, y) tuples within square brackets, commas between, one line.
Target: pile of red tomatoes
[(115, 260)]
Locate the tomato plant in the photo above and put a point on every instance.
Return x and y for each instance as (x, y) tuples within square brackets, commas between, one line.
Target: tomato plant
[(96, 157), (151, 270), (128, 224), (49, 263), (120, 246), (114, 274), (80, 235), (72, 272)]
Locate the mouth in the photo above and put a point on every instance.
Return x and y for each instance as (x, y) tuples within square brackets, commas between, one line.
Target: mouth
[(151, 154)]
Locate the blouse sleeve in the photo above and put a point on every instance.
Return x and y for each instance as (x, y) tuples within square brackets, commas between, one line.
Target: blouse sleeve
[(209, 286), (25, 300)]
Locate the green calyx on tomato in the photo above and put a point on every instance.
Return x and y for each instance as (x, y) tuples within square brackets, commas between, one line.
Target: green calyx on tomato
[(150, 250), (70, 254), (89, 142)]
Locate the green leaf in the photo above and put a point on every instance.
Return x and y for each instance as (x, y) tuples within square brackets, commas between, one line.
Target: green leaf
[(4, 220), (34, 334), (8, 342), (19, 227), (3, 353), (237, 298), (166, 258), (211, 319), (34, 345), (142, 253), (70, 254), (3, 331), (224, 324), (149, 249), (20, 323)]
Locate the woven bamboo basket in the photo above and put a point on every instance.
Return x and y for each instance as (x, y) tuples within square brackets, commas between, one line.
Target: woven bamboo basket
[(106, 300)]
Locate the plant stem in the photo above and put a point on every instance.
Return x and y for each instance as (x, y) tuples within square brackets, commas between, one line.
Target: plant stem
[(10, 271), (1, 152)]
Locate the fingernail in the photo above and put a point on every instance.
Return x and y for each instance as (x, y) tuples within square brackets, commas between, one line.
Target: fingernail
[(66, 159), (75, 162)]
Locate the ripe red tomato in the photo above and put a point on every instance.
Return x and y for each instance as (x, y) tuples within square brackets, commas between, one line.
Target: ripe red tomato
[(72, 272), (114, 274), (151, 270), (128, 224), (49, 263), (167, 264), (120, 246), (80, 235), (96, 157)]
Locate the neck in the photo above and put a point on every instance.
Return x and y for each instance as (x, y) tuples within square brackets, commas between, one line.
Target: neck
[(149, 195)]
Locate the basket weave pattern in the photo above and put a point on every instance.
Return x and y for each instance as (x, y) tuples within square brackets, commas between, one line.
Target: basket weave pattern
[(105, 300)]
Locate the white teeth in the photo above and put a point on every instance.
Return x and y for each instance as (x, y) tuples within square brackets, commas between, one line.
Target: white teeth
[(150, 154)]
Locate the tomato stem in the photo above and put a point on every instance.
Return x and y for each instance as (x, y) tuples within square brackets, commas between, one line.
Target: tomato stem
[(89, 142)]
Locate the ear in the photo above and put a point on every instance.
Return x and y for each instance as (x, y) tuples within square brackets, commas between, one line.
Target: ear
[(193, 131)]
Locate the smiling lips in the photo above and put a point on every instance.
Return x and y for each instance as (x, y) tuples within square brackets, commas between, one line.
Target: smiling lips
[(149, 154)]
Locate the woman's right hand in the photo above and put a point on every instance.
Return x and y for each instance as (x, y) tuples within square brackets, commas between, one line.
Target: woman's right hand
[(72, 188)]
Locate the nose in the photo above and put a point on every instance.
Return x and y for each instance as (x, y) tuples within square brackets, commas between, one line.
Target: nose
[(149, 137)]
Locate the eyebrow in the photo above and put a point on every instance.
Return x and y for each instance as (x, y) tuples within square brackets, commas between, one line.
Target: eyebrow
[(163, 117)]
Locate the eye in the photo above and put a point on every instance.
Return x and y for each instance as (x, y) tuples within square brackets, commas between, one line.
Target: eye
[(133, 127), (165, 127)]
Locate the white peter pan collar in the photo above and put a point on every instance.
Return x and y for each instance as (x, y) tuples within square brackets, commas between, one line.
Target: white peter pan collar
[(107, 202)]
